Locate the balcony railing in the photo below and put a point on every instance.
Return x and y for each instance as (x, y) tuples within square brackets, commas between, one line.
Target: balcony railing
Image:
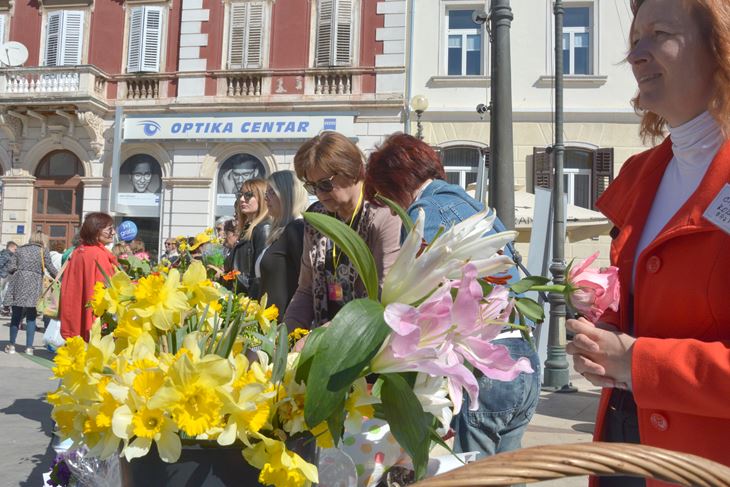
[(52, 81), (244, 84), (333, 83)]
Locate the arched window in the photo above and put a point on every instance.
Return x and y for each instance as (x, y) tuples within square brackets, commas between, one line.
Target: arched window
[(59, 165), (461, 164), (586, 173)]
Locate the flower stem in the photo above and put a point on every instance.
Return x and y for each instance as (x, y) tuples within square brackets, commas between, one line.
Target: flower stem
[(552, 288)]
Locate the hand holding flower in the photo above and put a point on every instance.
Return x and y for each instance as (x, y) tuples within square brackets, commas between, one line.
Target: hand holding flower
[(601, 353)]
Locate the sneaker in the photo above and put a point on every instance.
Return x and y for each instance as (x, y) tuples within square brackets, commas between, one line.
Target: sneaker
[(9, 348), (29, 350)]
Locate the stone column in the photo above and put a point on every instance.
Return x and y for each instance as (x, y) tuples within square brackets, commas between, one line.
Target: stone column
[(17, 210)]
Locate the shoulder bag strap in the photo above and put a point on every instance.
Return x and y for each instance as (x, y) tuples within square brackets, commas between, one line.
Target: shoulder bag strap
[(55, 280)]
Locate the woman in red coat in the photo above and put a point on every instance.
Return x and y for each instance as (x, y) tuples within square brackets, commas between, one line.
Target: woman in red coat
[(666, 368), (83, 272)]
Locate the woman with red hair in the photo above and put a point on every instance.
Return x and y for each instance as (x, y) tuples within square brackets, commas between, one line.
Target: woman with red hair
[(409, 172)]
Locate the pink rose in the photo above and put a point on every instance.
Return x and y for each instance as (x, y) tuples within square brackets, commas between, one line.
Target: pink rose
[(592, 291), (142, 255)]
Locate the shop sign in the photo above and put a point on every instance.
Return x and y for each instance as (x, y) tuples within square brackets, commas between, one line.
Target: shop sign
[(138, 199), (235, 126)]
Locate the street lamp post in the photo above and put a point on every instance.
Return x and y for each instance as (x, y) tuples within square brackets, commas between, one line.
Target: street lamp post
[(502, 179), (557, 377), (419, 103)]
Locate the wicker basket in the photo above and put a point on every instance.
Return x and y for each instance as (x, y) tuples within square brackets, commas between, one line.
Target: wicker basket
[(539, 463)]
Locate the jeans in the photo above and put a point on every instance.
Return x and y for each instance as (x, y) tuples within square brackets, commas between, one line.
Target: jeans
[(505, 408), (15, 319)]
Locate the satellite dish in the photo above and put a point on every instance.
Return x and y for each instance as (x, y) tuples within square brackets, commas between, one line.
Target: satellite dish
[(13, 54)]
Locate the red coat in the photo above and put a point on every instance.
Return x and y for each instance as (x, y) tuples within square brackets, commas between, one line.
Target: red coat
[(77, 288), (681, 359)]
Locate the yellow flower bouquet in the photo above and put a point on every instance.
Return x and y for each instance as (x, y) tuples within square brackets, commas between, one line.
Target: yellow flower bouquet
[(170, 362)]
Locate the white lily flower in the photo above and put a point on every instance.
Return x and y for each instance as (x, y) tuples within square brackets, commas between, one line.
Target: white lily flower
[(433, 394), (412, 276)]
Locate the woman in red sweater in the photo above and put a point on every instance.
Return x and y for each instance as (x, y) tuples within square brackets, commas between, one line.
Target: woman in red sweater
[(83, 272)]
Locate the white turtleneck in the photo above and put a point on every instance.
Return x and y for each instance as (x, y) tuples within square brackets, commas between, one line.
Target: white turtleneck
[(694, 145)]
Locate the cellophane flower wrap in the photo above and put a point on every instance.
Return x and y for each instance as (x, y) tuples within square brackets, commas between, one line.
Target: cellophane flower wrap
[(419, 340), (170, 361)]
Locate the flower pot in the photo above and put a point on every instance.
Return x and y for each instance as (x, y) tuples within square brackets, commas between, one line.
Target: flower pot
[(204, 464), (201, 464)]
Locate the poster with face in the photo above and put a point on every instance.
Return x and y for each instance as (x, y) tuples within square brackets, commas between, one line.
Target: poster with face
[(233, 172), (140, 181)]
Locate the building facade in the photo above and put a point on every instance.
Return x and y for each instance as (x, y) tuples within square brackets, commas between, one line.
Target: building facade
[(206, 93), (450, 66)]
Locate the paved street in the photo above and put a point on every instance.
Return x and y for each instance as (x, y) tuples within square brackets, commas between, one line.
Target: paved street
[(25, 452)]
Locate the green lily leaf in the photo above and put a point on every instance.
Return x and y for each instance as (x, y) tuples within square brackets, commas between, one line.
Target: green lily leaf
[(280, 355), (398, 210), (307, 354), (525, 284), (345, 348), (410, 425), (352, 245), (530, 309)]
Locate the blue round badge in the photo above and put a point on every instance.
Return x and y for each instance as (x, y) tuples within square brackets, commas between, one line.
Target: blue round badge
[(127, 230)]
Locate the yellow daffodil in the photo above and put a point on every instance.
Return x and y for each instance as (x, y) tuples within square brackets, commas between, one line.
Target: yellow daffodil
[(110, 299), (70, 358), (200, 290), (359, 405), (192, 395), (291, 408), (160, 299), (200, 239), (248, 411), (279, 466), (145, 426)]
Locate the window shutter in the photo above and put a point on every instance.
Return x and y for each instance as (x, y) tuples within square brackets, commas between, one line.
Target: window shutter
[(236, 35), (602, 172), (542, 168), (2, 27), (343, 33), (324, 32), (134, 48), (254, 35), (53, 38), (72, 38), (151, 39)]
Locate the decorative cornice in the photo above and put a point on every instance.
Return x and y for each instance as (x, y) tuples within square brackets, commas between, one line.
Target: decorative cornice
[(572, 81), (95, 126), (93, 181), (17, 180), (187, 182)]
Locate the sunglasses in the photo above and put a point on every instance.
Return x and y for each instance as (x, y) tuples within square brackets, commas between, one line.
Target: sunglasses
[(323, 185), (170, 243), (247, 195)]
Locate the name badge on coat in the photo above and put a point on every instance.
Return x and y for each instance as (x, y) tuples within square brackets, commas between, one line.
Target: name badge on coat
[(718, 212)]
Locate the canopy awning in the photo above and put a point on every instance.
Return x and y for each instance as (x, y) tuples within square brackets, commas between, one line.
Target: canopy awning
[(581, 223)]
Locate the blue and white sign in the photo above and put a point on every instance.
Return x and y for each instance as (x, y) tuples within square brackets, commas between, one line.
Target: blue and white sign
[(127, 230), (235, 126)]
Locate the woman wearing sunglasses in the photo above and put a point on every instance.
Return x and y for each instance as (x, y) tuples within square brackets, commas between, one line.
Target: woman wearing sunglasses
[(332, 168), (278, 266), (254, 225)]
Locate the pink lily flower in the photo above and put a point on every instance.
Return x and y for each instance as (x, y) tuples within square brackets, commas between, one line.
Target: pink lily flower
[(443, 333), (593, 291)]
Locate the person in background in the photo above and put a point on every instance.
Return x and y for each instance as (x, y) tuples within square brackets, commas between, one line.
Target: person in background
[(171, 254), (664, 358), (254, 225), (409, 172), (57, 253), (88, 264), (278, 266), (333, 168), (138, 249), (230, 236), (5, 255), (220, 226), (75, 242), (26, 269), (121, 250)]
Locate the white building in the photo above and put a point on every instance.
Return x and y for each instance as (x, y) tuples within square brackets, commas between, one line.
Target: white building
[(450, 66)]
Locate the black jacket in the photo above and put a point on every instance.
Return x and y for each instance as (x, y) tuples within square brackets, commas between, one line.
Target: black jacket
[(243, 258)]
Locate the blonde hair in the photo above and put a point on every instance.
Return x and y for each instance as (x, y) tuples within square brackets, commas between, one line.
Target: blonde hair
[(39, 238), (713, 16), (258, 188), (292, 197)]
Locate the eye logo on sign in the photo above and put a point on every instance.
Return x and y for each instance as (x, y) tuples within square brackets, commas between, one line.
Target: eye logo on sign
[(150, 127)]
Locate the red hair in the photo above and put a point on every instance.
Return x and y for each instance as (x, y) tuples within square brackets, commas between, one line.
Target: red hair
[(399, 167), (714, 18), (93, 225)]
